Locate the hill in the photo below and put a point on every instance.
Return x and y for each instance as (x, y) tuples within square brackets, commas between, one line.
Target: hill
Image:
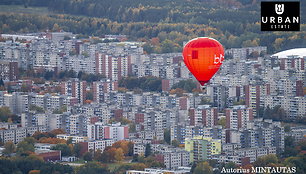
[(236, 23)]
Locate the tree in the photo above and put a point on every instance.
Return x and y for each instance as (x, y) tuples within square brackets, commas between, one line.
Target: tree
[(93, 168), (124, 145), (52, 140), (77, 149), (230, 165), (60, 110), (148, 150), (132, 127), (34, 172), (25, 148), (5, 113), (266, 160), (290, 149), (205, 101), (175, 143), (64, 148), (130, 148), (287, 128), (167, 136), (203, 167), (119, 155), (1, 82), (302, 144), (69, 141), (30, 140), (178, 91), (9, 148), (87, 156), (36, 108), (222, 122), (187, 85)]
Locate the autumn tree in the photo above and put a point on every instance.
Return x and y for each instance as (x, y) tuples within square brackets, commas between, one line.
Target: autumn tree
[(52, 140), (34, 172), (124, 145), (57, 132), (119, 154), (97, 155), (9, 148)]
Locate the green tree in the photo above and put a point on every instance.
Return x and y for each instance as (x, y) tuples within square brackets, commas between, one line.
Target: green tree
[(88, 156), (25, 148), (93, 168), (1, 82), (36, 108), (148, 150), (69, 141), (132, 127), (61, 110), (175, 143), (64, 148), (205, 101), (130, 148), (77, 149), (9, 148), (222, 122), (167, 136), (266, 160), (230, 165), (302, 144), (30, 140), (187, 85), (290, 149), (203, 167), (5, 113)]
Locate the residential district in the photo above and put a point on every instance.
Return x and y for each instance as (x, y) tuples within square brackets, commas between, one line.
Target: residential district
[(223, 121)]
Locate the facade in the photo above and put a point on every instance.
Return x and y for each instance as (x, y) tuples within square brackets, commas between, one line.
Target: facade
[(75, 89), (202, 148), (99, 131), (238, 117), (95, 145), (16, 135), (9, 71)]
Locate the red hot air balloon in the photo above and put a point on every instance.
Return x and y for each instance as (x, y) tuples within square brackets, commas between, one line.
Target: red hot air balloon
[(203, 57)]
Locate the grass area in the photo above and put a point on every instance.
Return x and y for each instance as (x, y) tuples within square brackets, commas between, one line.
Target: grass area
[(113, 166), (22, 9), (80, 161)]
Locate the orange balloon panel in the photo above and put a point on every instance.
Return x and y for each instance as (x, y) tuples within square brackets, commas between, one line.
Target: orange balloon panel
[(203, 57)]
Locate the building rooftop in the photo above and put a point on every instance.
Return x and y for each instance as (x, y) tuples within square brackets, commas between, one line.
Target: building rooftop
[(297, 52)]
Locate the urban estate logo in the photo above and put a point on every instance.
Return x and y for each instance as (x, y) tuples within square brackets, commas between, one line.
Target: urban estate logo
[(280, 16), (279, 8)]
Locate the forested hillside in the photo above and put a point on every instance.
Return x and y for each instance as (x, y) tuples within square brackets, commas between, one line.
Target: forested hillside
[(161, 23)]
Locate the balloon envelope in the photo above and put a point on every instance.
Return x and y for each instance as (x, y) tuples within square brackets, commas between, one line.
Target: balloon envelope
[(203, 57)]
